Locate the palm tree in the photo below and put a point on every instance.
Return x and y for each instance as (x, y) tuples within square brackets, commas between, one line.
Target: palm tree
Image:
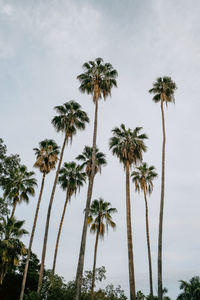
[(20, 187), (163, 90), (86, 158), (71, 180), (98, 79), (128, 145), (11, 248), (99, 220), (46, 159), (70, 119), (143, 179), (191, 289)]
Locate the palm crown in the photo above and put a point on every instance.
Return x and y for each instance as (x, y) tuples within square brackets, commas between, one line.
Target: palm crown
[(71, 178), (46, 156), (163, 90), (100, 216), (11, 228), (128, 145), (70, 118), (143, 178), (11, 248), (21, 186), (86, 158), (98, 79)]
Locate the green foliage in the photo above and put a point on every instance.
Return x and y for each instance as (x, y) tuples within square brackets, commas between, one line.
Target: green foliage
[(100, 275), (20, 186), (46, 155), (191, 289), (4, 210), (163, 90), (70, 118), (10, 289), (71, 178), (143, 178), (11, 248), (8, 165), (127, 144), (98, 79), (86, 158), (100, 216)]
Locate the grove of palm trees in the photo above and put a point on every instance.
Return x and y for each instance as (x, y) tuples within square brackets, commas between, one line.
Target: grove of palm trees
[(97, 198)]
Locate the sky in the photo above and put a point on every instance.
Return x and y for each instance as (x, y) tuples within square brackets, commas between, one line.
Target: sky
[(43, 45)]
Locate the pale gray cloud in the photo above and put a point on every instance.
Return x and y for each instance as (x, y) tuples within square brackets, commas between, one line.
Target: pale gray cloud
[(42, 47)]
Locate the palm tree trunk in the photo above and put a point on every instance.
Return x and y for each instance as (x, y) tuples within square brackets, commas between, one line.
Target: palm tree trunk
[(59, 232), (94, 265), (129, 235), (79, 273), (160, 289), (13, 209), (48, 219), (148, 247), (31, 239)]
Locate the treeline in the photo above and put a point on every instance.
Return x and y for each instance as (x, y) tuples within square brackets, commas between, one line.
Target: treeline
[(18, 184)]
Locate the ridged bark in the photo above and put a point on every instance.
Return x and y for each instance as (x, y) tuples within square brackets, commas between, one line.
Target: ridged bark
[(79, 273), (59, 232), (48, 219), (94, 265), (31, 238), (148, 246), (129, 235), (160, 288)]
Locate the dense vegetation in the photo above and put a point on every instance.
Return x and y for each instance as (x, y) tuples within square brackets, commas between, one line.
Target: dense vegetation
[(22, 274)]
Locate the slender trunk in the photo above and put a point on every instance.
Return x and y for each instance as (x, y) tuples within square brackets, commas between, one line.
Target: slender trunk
[(148, 246), (59, 232), (160, 289), (79, 273), (94, 265), (31, 239), (129, 235), (48, 219), (13, 209)]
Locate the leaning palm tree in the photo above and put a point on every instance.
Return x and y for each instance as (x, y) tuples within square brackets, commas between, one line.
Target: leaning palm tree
[(70, 119), (163, 90), (46, 159), (128, 145), (143, 180), (98, 79), (71, 180), (11, 248), (99, 220), (20, 187)]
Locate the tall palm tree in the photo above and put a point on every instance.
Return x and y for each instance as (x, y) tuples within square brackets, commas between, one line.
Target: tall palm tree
[(99, 220), (71, 180), (128, 145), (70, 118), (20, 186), (46, 159), (98, 79), (143, 180), (163, 90), (11, 248)]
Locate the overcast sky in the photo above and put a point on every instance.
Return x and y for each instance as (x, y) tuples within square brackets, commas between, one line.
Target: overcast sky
[(43, 45)]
